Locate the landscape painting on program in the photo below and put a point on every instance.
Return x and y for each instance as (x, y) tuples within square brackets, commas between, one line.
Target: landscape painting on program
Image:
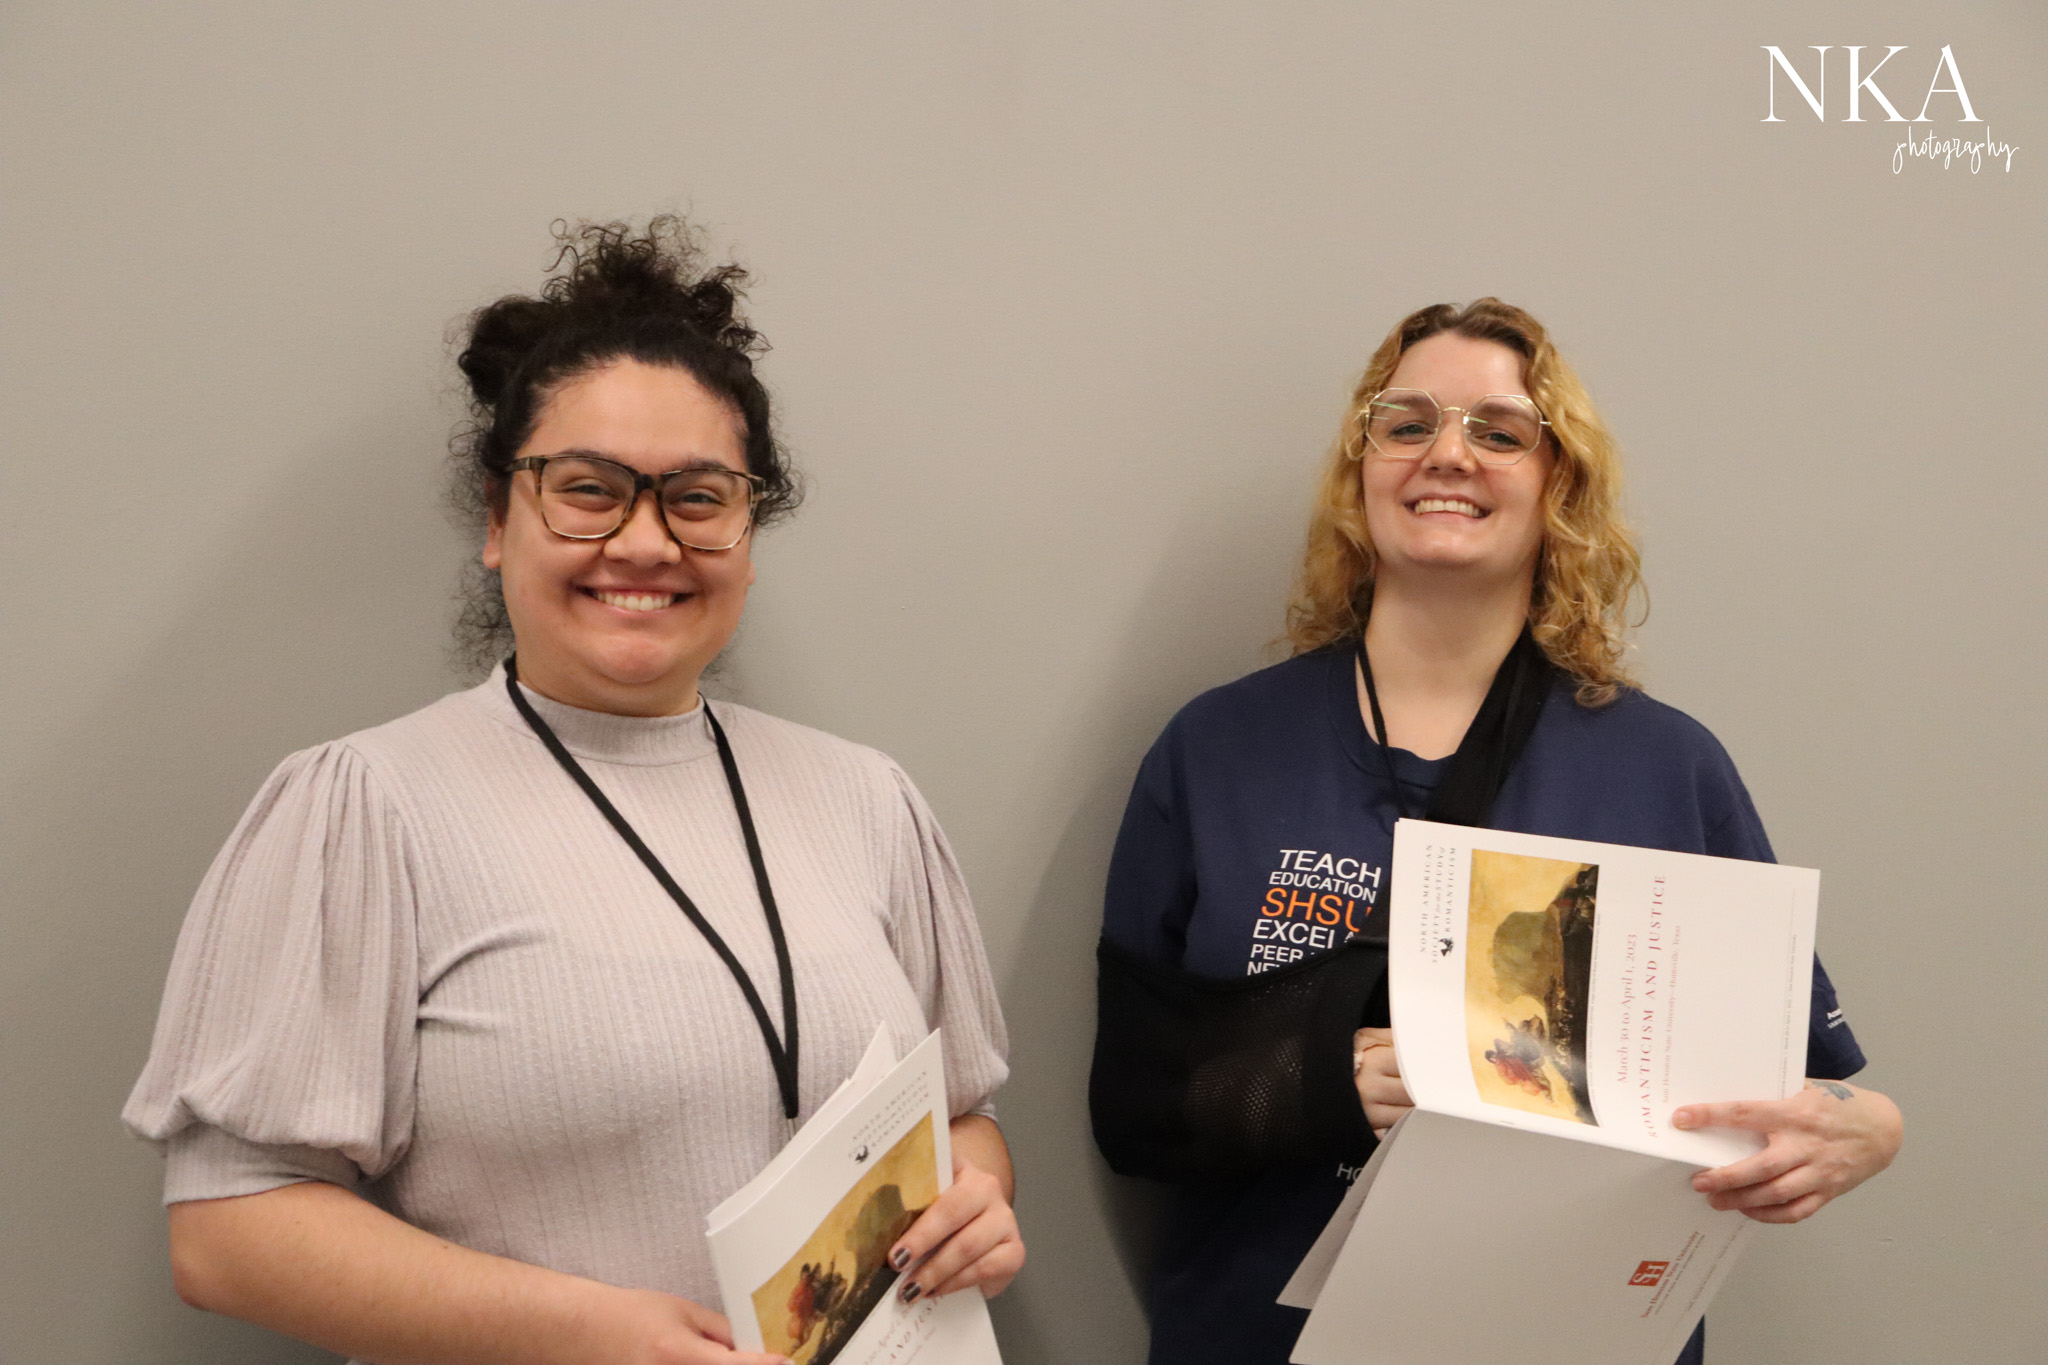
[(810, 1309), (1527, 972)]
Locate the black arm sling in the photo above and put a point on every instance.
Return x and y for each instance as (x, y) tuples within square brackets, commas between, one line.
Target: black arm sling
[(1198, 1080)]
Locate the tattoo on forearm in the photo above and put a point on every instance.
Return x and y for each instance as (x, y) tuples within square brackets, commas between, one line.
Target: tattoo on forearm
[(1835, 1088)]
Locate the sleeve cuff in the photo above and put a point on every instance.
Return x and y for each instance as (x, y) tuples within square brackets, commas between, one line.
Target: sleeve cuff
[(203, 1162)]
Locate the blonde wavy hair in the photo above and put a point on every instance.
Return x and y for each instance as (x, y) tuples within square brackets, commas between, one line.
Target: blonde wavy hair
[(1588, 568)]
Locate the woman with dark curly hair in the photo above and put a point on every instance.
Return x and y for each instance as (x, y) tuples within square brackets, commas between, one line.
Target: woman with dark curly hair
[(481, 1011), (1457, 654)]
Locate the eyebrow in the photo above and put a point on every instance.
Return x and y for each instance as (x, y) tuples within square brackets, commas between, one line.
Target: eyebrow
[(694, 462), (1379, 400)]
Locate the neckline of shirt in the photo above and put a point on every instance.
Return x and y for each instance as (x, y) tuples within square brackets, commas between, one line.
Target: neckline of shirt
[(600, 736), (1340, 693)]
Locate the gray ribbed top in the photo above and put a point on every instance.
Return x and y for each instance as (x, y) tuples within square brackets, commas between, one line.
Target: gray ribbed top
[(424, 966)]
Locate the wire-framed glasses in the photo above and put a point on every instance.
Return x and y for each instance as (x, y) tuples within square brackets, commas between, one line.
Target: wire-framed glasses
[(588, 497), (1500, 429)]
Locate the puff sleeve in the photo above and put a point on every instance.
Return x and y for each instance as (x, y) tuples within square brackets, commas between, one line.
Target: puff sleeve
[(285, 1047), (938, 943)]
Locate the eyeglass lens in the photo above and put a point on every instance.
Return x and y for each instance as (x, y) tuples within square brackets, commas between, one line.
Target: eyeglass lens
[(707, 509), (1500, 428)]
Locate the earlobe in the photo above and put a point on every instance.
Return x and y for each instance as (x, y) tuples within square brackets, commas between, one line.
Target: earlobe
[(494, 537)]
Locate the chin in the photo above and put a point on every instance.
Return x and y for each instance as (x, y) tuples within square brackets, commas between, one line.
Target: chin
[(643, 669), (1441, 556)]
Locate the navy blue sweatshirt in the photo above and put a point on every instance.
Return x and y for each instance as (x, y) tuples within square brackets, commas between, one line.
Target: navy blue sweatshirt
[(1260, 831)]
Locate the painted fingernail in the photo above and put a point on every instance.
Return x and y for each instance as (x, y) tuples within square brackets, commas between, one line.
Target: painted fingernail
[(899, 1258), (911, 1291)]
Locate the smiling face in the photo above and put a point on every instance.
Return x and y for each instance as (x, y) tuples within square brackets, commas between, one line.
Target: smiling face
[(1446, 513), (624, 625)]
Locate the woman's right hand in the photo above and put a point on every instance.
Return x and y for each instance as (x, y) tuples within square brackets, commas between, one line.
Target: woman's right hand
[(1377, 1073)]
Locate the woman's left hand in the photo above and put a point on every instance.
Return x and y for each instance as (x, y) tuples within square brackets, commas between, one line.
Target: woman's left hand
[(1821, 1143), (969, 1234)]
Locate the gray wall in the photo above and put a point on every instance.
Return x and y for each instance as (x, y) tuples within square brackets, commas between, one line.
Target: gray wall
[(1066, 299)]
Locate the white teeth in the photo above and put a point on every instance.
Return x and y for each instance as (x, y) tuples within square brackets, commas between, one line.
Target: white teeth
[(635, 601), (1458, 505)]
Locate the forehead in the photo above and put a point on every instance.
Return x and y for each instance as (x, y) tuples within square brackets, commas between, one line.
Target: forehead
[(653, 417), (1457, 368)]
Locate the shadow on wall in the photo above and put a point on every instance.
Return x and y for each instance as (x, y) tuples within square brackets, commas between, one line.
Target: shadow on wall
[(1213, 602), (348, 559)]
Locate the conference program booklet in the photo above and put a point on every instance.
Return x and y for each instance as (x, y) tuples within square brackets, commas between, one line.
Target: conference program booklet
[(1553, 1001), (802, 1249)]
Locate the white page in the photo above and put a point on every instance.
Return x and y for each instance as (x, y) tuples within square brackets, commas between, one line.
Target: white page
[(836, 1198), (1480, 1245), (1695, 987), (1306, 1284)]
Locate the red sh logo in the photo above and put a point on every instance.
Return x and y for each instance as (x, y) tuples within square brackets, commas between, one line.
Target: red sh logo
[(1648, 1273)]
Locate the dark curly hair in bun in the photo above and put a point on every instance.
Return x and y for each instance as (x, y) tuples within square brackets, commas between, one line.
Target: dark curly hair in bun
[(612, 294)]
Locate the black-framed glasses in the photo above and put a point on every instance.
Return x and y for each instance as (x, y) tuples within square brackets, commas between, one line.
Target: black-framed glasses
[(1500, 429), (589, 497)]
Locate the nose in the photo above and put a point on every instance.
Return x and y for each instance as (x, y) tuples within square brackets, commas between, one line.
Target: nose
[(644, 538), (1449, 449)]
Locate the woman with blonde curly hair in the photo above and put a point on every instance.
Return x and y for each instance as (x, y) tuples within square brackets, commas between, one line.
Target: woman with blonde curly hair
[(1587, 567), (1457, 633)]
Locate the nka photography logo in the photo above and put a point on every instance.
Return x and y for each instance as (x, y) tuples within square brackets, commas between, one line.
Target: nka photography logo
[(1966, 145)]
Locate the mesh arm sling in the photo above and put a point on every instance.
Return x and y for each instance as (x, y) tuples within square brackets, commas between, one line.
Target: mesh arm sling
[(1197, 1079)]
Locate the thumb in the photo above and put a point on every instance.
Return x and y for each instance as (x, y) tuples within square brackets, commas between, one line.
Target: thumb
[(709, 1323)]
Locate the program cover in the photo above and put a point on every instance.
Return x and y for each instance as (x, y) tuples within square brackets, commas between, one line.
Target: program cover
[(1587, 990), (1553, 1001), (802, 1249)]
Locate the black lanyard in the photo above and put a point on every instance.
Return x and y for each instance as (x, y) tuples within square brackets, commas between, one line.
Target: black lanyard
[(781, 1051), (1379, 731)]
